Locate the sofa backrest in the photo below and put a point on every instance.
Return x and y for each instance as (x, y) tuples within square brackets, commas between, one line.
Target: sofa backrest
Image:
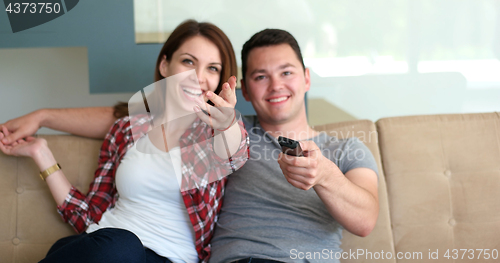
[(443, 179), (380, 241)]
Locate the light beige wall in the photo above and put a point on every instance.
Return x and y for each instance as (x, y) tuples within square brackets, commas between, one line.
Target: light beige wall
[(34, 78)]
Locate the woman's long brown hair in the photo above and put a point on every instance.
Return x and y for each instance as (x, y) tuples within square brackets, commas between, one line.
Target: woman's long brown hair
[(183, 32)]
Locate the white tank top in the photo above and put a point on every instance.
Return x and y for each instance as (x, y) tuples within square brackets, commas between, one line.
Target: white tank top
[(150, 203)]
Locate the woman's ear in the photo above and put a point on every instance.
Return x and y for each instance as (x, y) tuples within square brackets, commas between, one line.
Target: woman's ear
[(164, 66)]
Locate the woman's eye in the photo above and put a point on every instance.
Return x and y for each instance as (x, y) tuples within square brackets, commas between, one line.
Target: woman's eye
[(214, 69), (188, 61)]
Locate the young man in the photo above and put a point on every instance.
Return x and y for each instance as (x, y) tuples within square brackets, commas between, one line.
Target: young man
[(276, 205), (277, 208)]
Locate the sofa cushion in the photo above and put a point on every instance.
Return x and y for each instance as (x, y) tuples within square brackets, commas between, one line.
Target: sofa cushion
[(443, 179), (29, 222)]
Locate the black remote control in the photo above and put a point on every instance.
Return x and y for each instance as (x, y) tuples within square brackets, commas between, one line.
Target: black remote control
[(290, 147)]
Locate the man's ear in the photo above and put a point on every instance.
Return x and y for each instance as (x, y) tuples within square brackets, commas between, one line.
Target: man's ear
[(244, 90), (163, 67), (307, 77)]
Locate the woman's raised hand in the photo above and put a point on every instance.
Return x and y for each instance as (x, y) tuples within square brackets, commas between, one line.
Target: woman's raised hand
[(228, 92), (222, 116)]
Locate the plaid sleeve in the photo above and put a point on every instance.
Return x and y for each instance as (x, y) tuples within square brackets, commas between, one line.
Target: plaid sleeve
[(80, 210), (238, 159)]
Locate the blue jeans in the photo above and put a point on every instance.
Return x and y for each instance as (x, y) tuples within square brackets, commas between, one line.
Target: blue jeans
[(107, 245)]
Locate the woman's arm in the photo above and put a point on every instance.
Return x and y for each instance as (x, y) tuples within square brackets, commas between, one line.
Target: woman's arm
[(236, 146), (78, 209), (37, 149), (91, 122)]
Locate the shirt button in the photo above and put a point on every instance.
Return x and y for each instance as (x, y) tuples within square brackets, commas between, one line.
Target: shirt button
[(447, 173), (20, 190), (452, 222), (16, 241)]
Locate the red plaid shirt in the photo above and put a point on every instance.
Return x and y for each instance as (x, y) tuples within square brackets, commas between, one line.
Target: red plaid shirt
[(203, 203)]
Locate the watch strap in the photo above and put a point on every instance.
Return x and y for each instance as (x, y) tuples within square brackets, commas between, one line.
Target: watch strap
[(49, 171)]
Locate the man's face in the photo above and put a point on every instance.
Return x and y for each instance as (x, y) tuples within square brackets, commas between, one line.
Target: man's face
[(275, 83)]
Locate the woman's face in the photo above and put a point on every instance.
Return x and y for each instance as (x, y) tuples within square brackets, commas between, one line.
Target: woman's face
[(196, 53)]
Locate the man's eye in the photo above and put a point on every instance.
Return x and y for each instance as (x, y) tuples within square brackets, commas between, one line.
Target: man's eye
[(259, 77), (286, 73)]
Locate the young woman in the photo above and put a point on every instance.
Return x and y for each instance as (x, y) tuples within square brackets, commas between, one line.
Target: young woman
[(138, 208)]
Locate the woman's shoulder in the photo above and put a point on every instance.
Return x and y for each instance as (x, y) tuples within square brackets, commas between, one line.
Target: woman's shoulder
[(129, 124), (119, 125)]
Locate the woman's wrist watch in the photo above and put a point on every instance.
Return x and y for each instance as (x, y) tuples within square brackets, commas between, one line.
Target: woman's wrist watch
[(54, 168)]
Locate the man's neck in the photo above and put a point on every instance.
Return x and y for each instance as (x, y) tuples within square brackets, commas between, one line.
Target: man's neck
[(296, 129)]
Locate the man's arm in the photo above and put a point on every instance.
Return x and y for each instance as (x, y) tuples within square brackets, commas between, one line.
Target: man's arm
[(88, 122), (352, 199)]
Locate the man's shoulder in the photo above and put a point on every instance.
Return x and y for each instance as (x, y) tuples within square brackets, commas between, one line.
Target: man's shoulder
[(324, 140), (348, 153), (249, 121)]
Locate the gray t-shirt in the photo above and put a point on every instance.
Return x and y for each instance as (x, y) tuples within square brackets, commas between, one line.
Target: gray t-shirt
[(264, 216)]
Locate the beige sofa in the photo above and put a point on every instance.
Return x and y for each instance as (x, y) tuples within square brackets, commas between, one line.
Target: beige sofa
[(439, 190)]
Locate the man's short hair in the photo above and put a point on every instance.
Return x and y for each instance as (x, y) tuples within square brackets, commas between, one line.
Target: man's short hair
[(269, 37)]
